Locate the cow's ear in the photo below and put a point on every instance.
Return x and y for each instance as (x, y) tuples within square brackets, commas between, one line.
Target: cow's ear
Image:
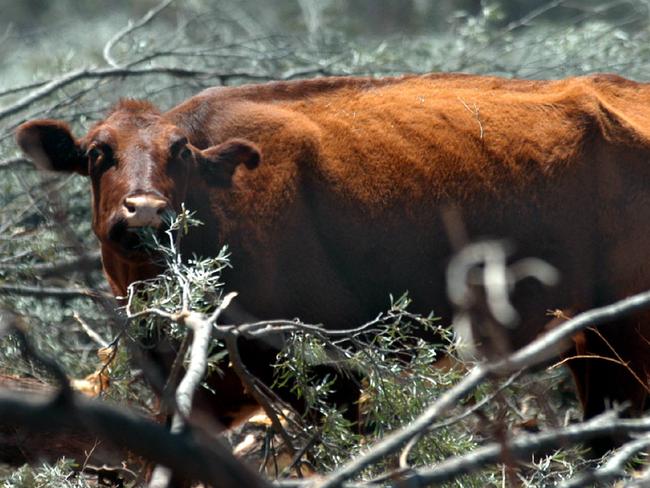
[(51, 146), (217, 164)]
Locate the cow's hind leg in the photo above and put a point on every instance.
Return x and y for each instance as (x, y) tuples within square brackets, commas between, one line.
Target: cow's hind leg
[(609, 366)]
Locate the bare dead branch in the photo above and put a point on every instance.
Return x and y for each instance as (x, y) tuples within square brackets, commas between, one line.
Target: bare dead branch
[(124, 72), (90, 73), (248, 380), (91, 260), (13, 163), (524, 445), (52, 292), (202, 332), (18, 89), (129, 28), (613, 468), (99, 340)]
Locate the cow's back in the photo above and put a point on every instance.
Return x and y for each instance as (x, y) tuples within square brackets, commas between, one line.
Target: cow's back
[(356, 176), (346, 207)]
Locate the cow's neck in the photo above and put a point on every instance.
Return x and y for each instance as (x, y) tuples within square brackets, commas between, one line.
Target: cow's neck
[(120, 273)]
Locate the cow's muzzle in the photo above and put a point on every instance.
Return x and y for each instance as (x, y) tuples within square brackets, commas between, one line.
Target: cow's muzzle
[(144, 210), (138, 213)]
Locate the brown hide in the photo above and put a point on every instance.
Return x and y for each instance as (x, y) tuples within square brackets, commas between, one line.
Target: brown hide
[(344, 207)]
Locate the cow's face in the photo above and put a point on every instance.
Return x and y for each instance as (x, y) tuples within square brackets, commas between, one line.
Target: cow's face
[(139, 165)]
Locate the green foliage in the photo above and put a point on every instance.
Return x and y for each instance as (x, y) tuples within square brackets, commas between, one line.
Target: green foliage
[(184, 284), (45, 476), (399, 380)]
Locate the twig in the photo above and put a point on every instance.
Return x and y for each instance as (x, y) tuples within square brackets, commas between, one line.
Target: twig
[(626, 365), (91, 260), (89, 331), (248, 380), (613, 468), (130, 27), (524, 445), (296, 460), (403, 458), (51, 292), (476, 112)]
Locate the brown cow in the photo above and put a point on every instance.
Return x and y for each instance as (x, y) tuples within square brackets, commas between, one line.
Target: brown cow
[(329, 194)]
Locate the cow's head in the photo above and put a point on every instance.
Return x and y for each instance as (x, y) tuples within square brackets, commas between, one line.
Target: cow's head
[(139, 164)]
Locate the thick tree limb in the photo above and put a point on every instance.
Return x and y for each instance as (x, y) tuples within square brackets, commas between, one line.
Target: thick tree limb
[(185, 453)]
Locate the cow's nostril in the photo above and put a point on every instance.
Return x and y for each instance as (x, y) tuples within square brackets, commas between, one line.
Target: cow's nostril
[(130, 207)]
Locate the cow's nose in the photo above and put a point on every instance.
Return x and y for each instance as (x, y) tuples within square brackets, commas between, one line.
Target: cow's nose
[(144, 210)]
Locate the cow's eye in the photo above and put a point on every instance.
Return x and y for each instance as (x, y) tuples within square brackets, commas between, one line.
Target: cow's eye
[(100, 158), (94, 153), (185, 153), (179, 149)]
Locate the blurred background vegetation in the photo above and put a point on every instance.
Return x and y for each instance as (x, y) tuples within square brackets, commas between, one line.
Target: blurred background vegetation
[(193, 44)]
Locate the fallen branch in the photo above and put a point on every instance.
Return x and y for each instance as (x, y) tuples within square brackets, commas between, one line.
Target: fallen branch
[(201, 328), (186, 454)]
